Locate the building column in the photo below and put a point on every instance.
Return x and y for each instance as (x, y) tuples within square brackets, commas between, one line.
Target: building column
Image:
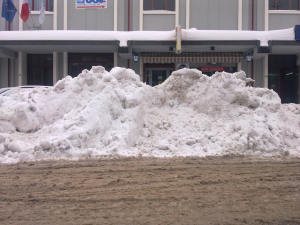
[(22, 68), (55, 67), (187, 15), (115, 59), (141, 70), (240, 16), (265, 71), (239, 66), (65, 64)]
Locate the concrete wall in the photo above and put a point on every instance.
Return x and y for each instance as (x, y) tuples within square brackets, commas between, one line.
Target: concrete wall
[(283, 21), (258, 71), (246, 15), (182, 14), (135, 15), (60, 15), (166, 22), (214, 14), (259, 15), (90, 19), (3, 72), (122, 22), (33, 21)]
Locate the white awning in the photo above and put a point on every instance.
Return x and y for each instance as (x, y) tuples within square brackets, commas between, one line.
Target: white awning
[(205, 57)]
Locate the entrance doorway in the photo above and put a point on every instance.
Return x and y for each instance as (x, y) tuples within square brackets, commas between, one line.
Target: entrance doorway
[(283, 77), (40, 69), (156, 75)]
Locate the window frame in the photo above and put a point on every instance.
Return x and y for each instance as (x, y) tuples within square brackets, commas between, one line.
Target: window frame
[(34, 11), (159, 11), (288, 10)]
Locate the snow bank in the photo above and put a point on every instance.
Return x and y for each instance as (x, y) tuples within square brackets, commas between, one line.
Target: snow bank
[(112, 113)]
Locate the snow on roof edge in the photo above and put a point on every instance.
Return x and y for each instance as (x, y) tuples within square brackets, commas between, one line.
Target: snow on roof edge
[(124, 36)]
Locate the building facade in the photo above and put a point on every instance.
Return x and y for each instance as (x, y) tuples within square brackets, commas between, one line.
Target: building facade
[(275, 66)]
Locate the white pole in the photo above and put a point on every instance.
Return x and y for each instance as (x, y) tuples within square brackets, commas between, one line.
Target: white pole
[(55, 15), (176, 13), (20, 67), (65, 14), (65, 64), (187, 14), (115, 15), (265, 78), (141, 15), (240, 12), (55, 67)]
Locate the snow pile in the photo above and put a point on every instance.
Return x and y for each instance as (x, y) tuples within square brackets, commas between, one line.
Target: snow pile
[(112, 113)]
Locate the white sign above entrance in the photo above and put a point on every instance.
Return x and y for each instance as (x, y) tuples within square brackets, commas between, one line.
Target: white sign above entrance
[(88, 4)]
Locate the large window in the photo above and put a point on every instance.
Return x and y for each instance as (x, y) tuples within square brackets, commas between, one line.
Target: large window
[(40, 69), (35, 5), (284, 4), (168, 5), (81, 61), (283, 77)]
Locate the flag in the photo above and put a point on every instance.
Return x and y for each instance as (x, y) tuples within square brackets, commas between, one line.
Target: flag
[(42, 13), (8, 10), (25, 10)]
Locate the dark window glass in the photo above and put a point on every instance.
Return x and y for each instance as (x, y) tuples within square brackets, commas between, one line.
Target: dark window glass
[(35, 5), (159, 5), (272, 4), (82, 61), (294, 4), (148, 5), (40, 69), (283, 4), (283, 77)]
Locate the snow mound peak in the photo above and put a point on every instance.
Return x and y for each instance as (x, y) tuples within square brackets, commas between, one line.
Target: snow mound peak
[(101, 113)]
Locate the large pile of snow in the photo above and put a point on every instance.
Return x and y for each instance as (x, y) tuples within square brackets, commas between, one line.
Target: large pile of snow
[(102, 113)]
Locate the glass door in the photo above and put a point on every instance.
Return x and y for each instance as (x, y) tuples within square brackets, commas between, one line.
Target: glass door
[(156, 76), (289, 85)]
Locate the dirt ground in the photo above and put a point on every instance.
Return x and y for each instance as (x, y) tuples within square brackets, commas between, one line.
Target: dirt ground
[(210, 190)]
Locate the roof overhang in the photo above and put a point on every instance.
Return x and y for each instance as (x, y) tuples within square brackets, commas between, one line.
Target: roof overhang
[(9, 48)]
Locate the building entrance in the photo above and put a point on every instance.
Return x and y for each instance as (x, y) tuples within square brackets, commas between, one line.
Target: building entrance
[(40, 69), (283, 77), (156, 76), (81, 61)]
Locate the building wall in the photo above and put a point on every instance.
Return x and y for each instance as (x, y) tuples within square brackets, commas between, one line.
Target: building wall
[(60, 15), (283, 21), (166, 22), (214, 14), (90, 19)]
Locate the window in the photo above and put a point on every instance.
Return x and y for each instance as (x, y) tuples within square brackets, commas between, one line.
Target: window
[(168, 5), (80, 61), (40, 69), (35, 5), (284, 4)]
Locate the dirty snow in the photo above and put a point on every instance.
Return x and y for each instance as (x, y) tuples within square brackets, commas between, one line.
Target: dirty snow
[(102, 113)]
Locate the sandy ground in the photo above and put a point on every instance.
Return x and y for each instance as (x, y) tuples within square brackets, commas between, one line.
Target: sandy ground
[(210, 190)]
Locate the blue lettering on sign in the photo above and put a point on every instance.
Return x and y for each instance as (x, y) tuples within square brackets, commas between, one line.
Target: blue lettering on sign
[(95, 1)]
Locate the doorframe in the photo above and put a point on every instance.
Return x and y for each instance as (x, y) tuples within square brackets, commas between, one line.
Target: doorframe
[(147, 65)]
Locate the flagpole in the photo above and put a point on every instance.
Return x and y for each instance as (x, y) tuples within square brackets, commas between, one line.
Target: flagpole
[(22, 20), (31, 19)]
